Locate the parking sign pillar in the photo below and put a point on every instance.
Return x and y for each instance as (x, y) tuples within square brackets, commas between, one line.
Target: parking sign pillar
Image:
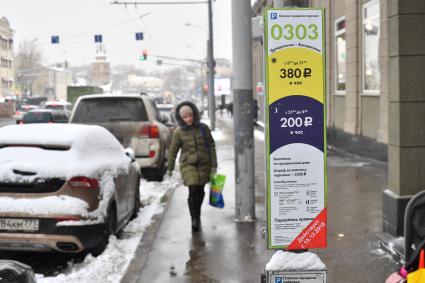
[(296, 202)]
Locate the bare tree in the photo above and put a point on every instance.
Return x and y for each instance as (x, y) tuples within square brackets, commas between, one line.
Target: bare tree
[(177, 82), (27, 64)]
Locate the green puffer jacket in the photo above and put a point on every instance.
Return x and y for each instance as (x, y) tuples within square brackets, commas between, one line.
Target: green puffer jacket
[(198, 154)]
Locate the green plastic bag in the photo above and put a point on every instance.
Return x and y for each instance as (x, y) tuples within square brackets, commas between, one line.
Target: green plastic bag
[(216, 187)]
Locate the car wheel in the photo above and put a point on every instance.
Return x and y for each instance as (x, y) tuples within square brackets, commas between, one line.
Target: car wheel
[(155, 174), (110, 228), (158, 174), (136, 202)]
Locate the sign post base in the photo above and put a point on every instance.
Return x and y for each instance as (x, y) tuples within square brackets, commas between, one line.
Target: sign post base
[(292, 267)]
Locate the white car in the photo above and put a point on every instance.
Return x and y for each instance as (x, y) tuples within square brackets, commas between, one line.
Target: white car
[(58, 105), (135, 121)]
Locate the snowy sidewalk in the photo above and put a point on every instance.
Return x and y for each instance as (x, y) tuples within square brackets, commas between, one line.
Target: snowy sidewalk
[(225, 250)]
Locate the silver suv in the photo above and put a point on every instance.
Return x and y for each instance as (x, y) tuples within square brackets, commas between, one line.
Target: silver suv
[(135, 121)]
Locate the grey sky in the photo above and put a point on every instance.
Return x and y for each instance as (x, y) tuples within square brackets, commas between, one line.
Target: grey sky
[(77, 21)]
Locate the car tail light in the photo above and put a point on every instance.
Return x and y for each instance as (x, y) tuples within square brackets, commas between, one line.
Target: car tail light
[(151, 131), (18, 113), (154, 132), (83, 183), (151, 153)]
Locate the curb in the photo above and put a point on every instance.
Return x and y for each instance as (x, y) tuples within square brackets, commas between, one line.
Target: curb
[(393, 246), (141, 254)]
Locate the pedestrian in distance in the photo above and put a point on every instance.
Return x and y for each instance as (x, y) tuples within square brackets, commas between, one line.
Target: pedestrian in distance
[(230, 109), (255, 110), (198, 158)]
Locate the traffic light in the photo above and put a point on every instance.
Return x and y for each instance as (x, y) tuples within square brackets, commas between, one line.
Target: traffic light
[(144, 55)]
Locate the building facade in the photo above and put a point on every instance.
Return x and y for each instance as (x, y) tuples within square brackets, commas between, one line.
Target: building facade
[(357, 68), (100, 72), (6, 58)]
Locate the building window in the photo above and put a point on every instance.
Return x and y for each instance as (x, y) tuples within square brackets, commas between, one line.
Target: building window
[(370, 23), (341, 56)]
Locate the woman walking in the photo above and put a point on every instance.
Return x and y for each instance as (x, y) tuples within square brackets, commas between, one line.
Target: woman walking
[(198, 158)]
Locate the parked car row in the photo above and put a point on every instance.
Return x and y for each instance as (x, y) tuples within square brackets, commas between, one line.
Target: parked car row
[(47, 112), (108, 144)]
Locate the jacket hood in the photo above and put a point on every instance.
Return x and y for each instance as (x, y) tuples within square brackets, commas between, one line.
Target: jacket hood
[(196, 116)]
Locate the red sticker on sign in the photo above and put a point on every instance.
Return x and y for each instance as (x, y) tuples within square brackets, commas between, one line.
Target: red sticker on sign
[(313, 236)]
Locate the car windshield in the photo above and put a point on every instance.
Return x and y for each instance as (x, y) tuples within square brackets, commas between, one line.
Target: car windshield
[(37, 117), (99, 110), (169, 114)]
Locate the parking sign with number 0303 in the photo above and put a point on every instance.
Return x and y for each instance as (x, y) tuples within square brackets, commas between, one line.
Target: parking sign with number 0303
[(295, 128)]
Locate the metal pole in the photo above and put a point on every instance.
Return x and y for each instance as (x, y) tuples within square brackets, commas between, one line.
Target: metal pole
[(290, 3), (211, 98), (278, 4), (243, 111)]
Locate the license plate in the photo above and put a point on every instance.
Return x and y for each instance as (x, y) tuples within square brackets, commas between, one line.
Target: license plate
[(13, 224), (142, 147)]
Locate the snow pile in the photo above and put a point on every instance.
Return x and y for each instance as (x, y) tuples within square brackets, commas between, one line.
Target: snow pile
[(282, 260), (92, 150)]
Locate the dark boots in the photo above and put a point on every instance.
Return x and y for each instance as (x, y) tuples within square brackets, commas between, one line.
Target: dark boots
[(192, 208), (196, 197)]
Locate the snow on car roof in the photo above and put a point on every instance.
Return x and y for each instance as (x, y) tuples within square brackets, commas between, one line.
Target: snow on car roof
[(108, 95), (59, 150)]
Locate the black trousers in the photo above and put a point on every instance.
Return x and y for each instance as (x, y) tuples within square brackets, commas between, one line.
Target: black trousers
[(196, 197)]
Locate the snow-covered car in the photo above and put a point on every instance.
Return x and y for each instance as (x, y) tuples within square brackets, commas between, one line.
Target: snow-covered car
[(64, 187), (135, 121)]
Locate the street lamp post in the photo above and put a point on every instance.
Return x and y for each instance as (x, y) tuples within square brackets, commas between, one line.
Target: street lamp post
[(211, 98), (211, 65)]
